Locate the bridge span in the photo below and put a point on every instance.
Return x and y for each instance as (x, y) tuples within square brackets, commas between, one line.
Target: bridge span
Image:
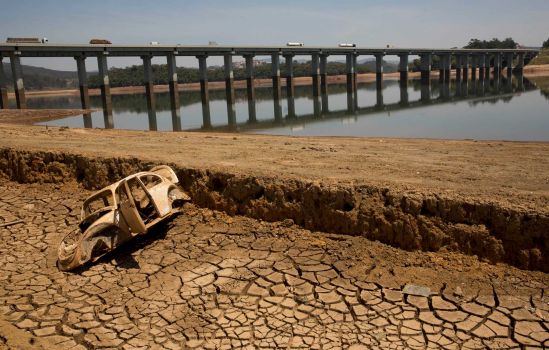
[(466, 62)]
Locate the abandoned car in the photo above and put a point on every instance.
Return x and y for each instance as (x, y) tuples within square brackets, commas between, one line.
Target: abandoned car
[(119, 212)]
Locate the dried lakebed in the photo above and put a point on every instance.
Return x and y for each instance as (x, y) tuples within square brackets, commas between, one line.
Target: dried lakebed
[(209, 280)]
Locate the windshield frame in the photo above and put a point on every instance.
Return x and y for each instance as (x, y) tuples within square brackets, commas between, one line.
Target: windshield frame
[(85, 210)]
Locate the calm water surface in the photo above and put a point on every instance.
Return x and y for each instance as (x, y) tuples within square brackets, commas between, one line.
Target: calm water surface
[(509, 109)]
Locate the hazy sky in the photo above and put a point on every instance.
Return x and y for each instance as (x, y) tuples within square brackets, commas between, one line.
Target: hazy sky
[(371, 23)]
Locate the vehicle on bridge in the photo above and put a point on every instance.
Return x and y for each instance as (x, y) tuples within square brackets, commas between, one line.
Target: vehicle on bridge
[(100, 42), (27, 40), (119, 212), (294, 44), (347, 45)]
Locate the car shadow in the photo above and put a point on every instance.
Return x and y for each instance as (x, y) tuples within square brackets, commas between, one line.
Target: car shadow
[(123, 255)]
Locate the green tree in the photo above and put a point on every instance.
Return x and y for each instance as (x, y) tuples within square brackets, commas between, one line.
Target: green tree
[(546, 44), (495, 43)]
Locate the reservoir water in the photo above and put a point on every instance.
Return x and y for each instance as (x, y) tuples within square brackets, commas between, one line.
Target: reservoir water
[(501, 108)]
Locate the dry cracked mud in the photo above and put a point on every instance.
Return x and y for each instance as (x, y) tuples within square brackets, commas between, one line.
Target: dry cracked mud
[(209, 280)]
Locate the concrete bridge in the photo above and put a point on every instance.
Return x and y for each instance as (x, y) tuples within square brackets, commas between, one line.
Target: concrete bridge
[(482, 61)]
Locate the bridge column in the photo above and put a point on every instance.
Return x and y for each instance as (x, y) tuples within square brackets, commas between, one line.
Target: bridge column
[(315, 75), (447, 67), (229, 90), (18, 85), (290, 84), (105, 87), (403, 68), (149, 91), (250, 85), (355, 73), (487, 65), (204, 91), (83, 81), (481, 66), (458, 67), (465, 66), (277, 93), (497, 63), (324, 82), (474, 63), (83, 84), (520, 63), (379, 69), (509, 62), (4, 102), (440, 68), (350, 82), (350, 73), (174, 92), (425, 68)]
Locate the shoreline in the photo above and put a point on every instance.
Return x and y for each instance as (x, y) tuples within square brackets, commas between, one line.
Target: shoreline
[(538, 70)]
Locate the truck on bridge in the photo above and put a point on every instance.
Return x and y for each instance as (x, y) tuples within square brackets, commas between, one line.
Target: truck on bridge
[(27, 40)]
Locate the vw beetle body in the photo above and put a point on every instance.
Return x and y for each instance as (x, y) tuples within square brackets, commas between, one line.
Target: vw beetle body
[(119, 212)]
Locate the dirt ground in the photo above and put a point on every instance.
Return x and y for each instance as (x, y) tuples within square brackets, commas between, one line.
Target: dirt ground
[(512, 174), (209, 280)]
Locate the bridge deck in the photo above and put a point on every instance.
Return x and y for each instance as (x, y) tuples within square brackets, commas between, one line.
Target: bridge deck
[(60, 50)]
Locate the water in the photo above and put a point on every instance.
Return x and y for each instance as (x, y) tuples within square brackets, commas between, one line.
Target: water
[(503, 109)]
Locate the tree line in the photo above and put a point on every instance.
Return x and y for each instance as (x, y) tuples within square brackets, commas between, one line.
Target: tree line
[(134, 75)]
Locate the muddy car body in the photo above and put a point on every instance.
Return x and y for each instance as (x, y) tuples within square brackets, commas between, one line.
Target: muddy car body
[(119, 212)]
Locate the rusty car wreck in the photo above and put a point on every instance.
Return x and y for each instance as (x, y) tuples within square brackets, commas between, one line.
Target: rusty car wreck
[(119, 212)]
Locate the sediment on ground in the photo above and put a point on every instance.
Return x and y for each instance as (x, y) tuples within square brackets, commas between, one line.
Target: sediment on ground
[(409, 221)]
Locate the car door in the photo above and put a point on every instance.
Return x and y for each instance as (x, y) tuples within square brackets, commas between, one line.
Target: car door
[(128, 210)]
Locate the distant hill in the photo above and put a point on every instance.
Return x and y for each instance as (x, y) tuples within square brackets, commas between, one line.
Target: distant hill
[(542, 58), (38, 78)]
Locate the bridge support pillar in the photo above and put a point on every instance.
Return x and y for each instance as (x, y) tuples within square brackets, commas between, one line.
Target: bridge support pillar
[(509, 62), (379, 69), (458, 67), (350, 73), (355, 73), (481, 66), (18, 85), (324, 82), (204, 91), (425, 68), (250, 86), (350, 82), (4, 102), (149, 91), (403, 68), (487, 64), (105, 87), (474, 64), (229, 90), (289, 58), (315, 75), (520, 63), (277, 92), (497, 64), (465, 66), (83, 84), (83, 81), (174, 92), (447, 67)]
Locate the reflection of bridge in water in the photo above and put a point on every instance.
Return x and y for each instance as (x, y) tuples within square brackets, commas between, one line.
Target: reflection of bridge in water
[(473, 91)]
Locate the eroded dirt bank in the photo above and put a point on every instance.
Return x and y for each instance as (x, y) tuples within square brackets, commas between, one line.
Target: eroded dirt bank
[(410, 221)]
